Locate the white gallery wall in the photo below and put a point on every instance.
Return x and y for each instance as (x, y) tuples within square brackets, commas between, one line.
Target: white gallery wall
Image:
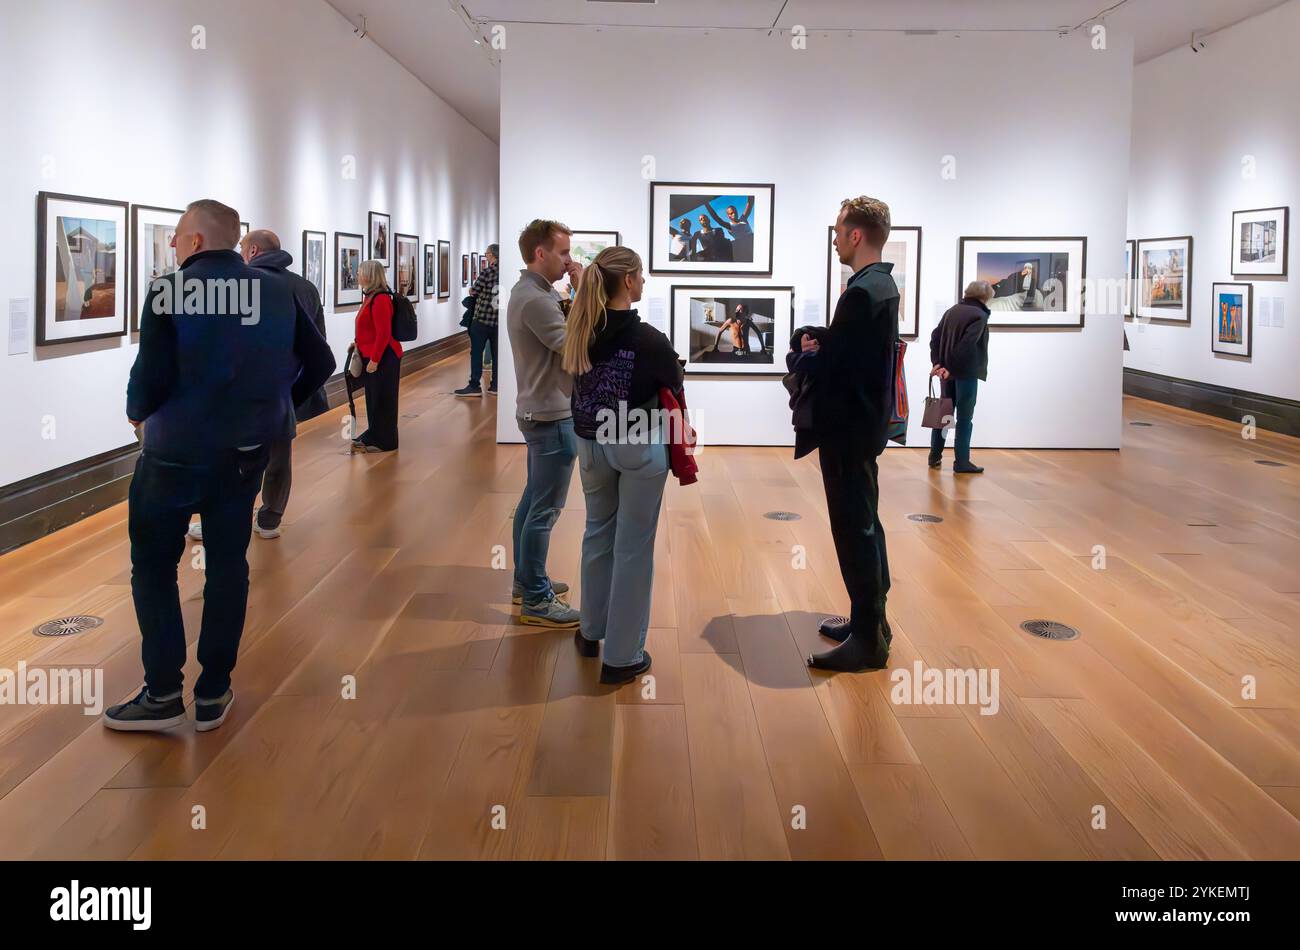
[(1035, 127), (113, 100), (1215, 132)]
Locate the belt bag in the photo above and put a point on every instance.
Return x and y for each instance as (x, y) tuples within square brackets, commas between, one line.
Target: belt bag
[(938, 409)]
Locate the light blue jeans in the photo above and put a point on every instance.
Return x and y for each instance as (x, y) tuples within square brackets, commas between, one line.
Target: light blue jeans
[(624, 487), (550, 467)]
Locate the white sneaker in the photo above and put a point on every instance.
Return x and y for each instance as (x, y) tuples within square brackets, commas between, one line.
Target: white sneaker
[(196, 530), (266, 533)]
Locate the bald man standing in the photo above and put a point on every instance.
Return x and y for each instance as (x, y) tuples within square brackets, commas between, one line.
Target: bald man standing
[(226, 352)]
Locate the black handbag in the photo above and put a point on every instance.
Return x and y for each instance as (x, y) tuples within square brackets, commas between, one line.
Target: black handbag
[(938, 409)]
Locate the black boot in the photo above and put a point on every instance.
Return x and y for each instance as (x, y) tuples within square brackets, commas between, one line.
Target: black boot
[(935, 461), (617, 675), (967, 468), (853, 656)]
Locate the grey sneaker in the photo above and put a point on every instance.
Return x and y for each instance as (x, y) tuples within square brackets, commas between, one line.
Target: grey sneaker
[(196, 530), (145, 714), (210, 713), (553, 613), (559, 587)]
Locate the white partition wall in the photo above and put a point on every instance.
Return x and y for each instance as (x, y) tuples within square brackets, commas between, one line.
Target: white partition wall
[(987, 134), (276, 108)]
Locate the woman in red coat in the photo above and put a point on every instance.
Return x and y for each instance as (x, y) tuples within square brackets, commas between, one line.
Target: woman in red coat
[(383, 358)]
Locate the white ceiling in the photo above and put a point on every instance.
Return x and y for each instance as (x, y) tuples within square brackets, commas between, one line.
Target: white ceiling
[(435, 39)]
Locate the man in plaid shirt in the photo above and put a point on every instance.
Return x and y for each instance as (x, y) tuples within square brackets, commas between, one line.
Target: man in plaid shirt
[(483, 328)]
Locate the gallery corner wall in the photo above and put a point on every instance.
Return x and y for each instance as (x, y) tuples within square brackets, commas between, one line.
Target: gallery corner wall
[(268, 113), (1214, 132), (1032, 129)]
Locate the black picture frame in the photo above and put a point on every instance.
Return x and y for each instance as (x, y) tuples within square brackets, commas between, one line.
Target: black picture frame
[(915, 301), (660, 265), (120, 291), (473, 265), (430, 272), (1248, 323), (777, 367), (1130, 286), (1187, 282), (963, 279), (1284, 248), (398, 240), (339, 236), (444, 270), (136, 293), (307, 235), (371, 254), (464, 270)]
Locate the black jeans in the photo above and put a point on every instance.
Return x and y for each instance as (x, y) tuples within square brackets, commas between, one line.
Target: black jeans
[(381, 402), (276, 483), (851, 478), (480, 334), (163, 495)]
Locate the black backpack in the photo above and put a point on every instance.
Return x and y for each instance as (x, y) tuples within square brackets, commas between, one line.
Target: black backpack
[(404, 324)]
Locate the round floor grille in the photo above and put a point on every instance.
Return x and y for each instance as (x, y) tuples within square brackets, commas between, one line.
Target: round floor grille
[(1270, 463), (1049, 630), (1144, 425), (835, 621), (925, 519), (67, 626), (783, 516)]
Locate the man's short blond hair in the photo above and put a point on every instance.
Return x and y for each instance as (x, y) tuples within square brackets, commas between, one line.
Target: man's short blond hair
[(870, 215), (541, 232)]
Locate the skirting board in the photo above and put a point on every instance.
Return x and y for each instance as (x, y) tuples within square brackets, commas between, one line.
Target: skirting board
[(1270, 412), (36, 506)]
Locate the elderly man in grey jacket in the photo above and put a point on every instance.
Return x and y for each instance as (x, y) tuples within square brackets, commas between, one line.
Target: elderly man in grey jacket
[(535, 322)]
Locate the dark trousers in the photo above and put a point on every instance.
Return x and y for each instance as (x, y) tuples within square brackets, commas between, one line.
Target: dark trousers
[(962, 392), (480, 335), (381, 402), (276, 484), (851, 478), (162, 497)]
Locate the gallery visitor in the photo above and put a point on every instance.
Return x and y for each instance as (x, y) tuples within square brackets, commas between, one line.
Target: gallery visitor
[(959, 352), (535, 322), (483, 327), (212, 391), (618, 364), (383, 359)]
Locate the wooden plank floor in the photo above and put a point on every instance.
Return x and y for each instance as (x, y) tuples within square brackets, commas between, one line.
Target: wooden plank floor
[(1170, 729)]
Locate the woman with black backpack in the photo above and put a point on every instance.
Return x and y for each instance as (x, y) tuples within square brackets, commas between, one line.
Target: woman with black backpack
[(382, 354)]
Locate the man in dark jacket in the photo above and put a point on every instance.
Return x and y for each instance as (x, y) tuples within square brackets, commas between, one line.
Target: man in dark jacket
[(852, 367), (226, 351), (959, 352)]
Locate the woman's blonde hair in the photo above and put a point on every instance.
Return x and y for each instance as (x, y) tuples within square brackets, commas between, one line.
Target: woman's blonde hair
[(600, 281), (373, 277)]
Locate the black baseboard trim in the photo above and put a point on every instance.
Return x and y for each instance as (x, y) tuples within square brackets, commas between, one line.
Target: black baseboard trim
[(38, 505), (1270, 412)]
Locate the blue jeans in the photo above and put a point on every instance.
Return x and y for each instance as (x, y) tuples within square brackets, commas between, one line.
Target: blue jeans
[(163, 495), (962, 392), (481, 336), (550, 469), (624, 486)]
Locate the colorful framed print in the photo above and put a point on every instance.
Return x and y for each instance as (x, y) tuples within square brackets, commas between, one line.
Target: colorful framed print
[(1130, 266), (430, 270), (903, 250), (408, 266), (349, 252), (79, 290), (711, 229), (1260, 242), (1232, 319), (1164, 280), (464, 270), (379, 239), (583, 248), (732, 330), (444, 270), (152, 254), (313, 259), (1037, 281)]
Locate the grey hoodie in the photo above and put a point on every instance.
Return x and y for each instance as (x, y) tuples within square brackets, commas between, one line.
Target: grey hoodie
[(535, 323)]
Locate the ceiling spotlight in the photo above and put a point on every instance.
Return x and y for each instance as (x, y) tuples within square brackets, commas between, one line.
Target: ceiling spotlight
[(1197, 45), (361, 30)]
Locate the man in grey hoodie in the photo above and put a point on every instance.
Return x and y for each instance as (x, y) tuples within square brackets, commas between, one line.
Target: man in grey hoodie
[(535, 322)]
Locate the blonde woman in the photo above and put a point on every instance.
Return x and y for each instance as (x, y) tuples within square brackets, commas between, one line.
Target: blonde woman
[(383, 358), (619, 364)]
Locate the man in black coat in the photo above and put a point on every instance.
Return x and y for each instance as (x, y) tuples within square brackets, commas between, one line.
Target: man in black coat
[(959, 354), (852, 367), (226, 352)]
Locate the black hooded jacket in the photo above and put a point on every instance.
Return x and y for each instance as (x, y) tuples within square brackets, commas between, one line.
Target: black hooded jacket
[(630, 362)]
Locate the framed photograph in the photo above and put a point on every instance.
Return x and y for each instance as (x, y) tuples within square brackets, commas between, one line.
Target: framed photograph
[(1259, 242), (1232, 324), (349, 252), (430, 272), (464, 270), (584, 246), (379, 245), (78, 292), (473, 266), (1130, 265), (732, 330), (152, 254), (711, 229), (903, 250), (408, 266), (444, 270), (1037, 281), (313, 259), (1164, 280)]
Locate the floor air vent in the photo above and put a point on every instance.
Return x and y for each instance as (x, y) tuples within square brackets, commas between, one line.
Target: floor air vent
[(1049, 630), (67, 626)]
